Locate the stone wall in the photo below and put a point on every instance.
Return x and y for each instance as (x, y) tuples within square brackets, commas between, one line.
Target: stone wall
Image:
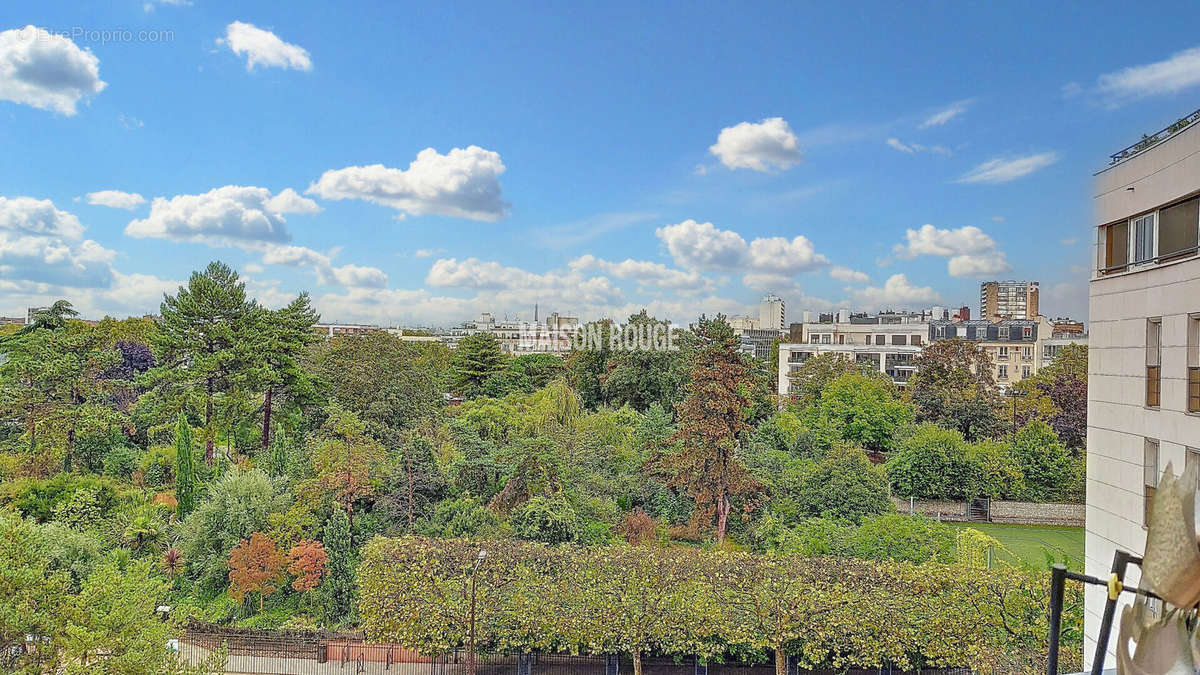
[(1023, 513)]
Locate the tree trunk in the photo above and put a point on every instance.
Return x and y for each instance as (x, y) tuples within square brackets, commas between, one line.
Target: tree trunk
[(722, 518), (781, 665), (209, 452), (32, 432), (637, 662), (266, 430), (260, 602)]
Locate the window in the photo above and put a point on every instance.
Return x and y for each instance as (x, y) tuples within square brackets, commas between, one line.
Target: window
[(1027, 332), (826, 339), (1143, 238), (880, 340), (1003, 356), (1193, 363), (1003, 373), (916, 341), (1116, 246), (841, 339), (1027, 353), (1192, 458), (1154, 362), (1177, 229), (1024, 371), (1149, 476), (899, 339), (813, 338)]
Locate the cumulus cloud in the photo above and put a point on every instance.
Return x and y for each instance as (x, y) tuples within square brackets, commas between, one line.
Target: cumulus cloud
[(765, 146), (464, 183), (328, 274), (703, 246), (40, 243), (848, 275), (971, 251), (1004, 170), (1174, 74), (946, 114), (234, 215), (262, 47), (897, 291), (46, 71), (116, 199), (647, 273)]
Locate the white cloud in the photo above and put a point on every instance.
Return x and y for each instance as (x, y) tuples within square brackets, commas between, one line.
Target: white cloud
[(464, 183), (703, 246), (1178, 72), (262, 47), (233, 215), (971, 251), (149, 5), (765, 146), (913, 148), (848, 275), (1069, 241), (253, 268), (1004, 170), (116, 199), (897, 291), (646, 273), (42, 244), (428, 252), (46, 71), (946, 114), (328, 274)]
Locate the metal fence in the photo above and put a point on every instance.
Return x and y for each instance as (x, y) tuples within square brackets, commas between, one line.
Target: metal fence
[(293, 652)]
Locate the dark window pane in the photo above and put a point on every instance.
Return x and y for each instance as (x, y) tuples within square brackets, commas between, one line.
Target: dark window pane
[(1116, 245), (1177, 228)]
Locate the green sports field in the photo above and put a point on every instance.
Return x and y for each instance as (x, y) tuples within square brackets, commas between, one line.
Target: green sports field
[(1028, 542)]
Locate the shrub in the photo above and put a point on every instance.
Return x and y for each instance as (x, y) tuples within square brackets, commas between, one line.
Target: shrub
[(915, 539), (550, 520), (845, 485)]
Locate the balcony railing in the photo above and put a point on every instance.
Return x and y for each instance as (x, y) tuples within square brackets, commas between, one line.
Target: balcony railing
[(1154, 139)]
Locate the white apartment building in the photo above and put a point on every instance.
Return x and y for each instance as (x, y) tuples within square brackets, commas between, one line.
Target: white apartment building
[(772, 313), (888, 340), (1144, 364)]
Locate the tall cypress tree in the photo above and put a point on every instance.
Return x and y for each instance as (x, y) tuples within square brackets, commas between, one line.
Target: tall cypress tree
[(185, 462), (339, 568)]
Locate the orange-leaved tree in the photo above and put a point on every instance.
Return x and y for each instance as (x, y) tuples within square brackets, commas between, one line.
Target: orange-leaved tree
[(308, 564), (254, 567)]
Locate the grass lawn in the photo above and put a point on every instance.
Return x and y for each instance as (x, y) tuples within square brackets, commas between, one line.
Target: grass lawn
[(1027, 542)]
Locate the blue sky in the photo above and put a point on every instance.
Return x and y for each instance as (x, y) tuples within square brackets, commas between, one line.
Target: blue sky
[(417, 164)]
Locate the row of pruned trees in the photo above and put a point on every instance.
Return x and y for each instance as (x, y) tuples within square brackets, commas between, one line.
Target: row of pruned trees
[(827, 612)]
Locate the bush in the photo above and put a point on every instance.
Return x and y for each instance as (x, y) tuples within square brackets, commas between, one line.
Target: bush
[(550, 520), (121, 461), (35, 498), (462, 517), (845, 485), (914, 539), (158, 466)]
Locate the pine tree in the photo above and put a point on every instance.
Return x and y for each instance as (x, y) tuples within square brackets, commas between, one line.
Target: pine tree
[(285, 335), (185, 473), (477, 358), (712, 419), (209, 341), (339, 568)]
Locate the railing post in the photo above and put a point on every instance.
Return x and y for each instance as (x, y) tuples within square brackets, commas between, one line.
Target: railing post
[(524, 664), (612, 664), (701, 668), (1058, 579), (1120, 562)]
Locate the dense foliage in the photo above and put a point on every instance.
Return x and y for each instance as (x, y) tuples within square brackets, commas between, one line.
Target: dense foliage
[(233, 465)]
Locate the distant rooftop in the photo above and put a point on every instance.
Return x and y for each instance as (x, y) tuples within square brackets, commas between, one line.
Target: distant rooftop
[(1149, 141)]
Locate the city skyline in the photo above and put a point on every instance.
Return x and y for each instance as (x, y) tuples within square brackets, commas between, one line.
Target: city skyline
[(640, 168)]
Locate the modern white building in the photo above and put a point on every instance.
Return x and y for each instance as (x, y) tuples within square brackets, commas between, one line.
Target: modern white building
[(888, 340), (1144, 345), (772, 313)]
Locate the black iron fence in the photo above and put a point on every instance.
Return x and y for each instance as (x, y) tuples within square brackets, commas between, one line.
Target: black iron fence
[(293, 652)]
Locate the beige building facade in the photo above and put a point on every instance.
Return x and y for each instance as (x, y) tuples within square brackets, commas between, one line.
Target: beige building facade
[(1008, 300), (1144, 358)]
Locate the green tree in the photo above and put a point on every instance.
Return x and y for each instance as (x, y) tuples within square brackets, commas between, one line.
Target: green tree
[(1046, 465), (477, 358), (339, 587), (844, 485), (285, 335), (187, 482), (31, 595), (550, 520), (865, 410), (208, 343), (953, 387), (811, 378), (712, 419)]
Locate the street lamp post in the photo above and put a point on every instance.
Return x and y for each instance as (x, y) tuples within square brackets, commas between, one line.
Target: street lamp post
[(471, 663), (1014, 395)]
